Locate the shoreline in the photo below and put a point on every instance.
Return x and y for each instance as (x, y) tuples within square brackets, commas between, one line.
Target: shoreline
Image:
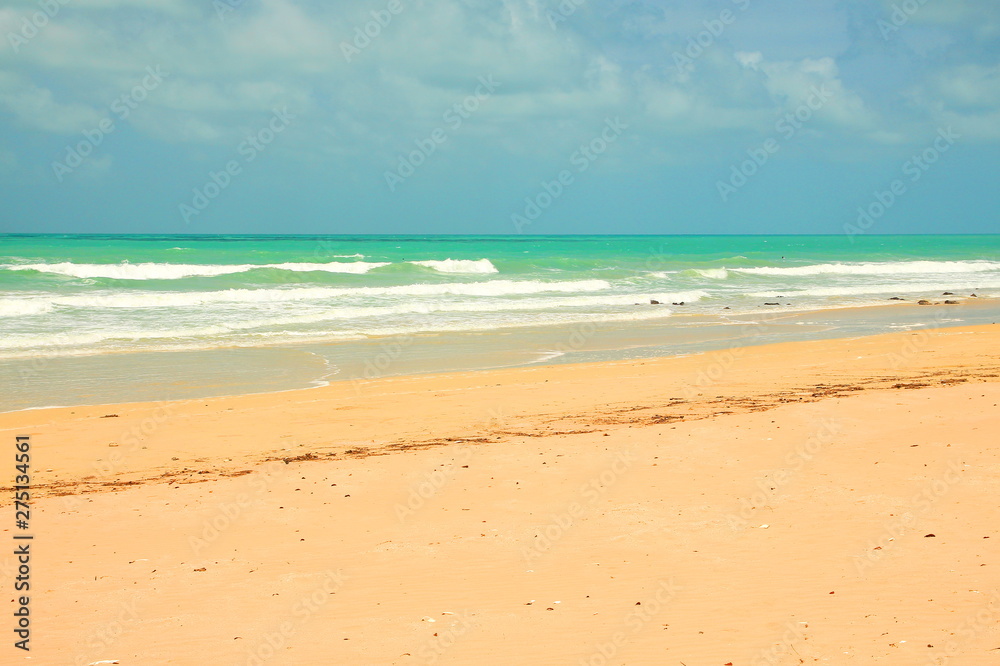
[(691, 376), (395, 356)]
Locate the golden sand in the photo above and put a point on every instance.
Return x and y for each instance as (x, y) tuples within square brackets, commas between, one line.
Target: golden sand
[(825, 502)]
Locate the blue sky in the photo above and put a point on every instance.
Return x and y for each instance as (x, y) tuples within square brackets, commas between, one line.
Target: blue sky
[(501, 116)]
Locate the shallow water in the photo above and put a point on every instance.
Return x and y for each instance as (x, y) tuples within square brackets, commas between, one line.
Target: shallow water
[(111, 318)]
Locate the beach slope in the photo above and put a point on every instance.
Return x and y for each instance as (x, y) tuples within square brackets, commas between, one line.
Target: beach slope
[(812, 502)]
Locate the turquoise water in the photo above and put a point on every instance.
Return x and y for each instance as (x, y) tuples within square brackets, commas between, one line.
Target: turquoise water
[(154, 313)]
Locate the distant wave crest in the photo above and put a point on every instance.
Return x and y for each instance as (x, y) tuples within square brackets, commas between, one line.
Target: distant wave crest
[(479, 266), (282, 295), (880, 268), (712, 273), (923, 288), (153, 271)]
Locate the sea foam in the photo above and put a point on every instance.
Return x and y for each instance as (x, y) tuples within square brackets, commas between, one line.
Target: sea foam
[(20, 307), (283, 295), (153, 271), (879, 268), (478, 266)]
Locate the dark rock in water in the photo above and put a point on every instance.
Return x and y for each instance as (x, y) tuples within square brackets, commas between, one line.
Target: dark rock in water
[(655, 303), (897, 298), (923, 302), (973, 296), (726, 308), (681, 303), (772, 303), (951, 302), (947, 293)]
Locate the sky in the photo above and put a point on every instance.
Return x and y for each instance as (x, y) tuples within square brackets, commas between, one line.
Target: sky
[(500, 116)]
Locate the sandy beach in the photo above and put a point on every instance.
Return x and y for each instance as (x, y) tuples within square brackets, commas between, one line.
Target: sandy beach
[(808, 502), (458, 333)]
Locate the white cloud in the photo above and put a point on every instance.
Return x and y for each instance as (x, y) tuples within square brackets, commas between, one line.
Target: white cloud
[(793, 83), (280, 33), (35, 107), (224, 74), (221, 97), (96, 167), (966, 97), (969, 87), (747, 92)]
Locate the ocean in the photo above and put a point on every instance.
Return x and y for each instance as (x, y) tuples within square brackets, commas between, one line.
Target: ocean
[(93, 319)]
